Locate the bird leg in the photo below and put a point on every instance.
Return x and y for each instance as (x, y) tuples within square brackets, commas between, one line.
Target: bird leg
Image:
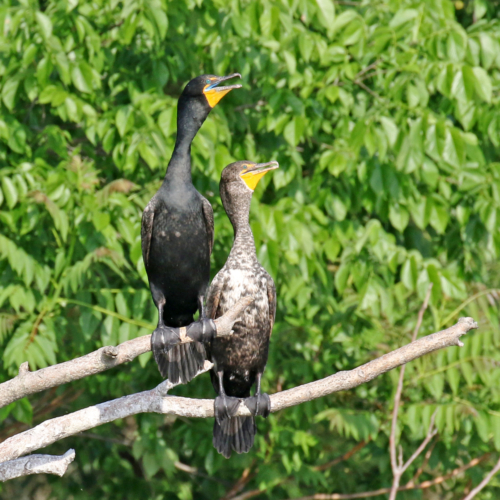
[(224, 406), (260, 404), (201, 306), (164, 337)]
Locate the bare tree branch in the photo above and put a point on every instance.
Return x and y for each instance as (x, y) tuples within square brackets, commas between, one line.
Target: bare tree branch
[(484, 482), (36, 464), (27, 382), (153, 401), (399, 468)]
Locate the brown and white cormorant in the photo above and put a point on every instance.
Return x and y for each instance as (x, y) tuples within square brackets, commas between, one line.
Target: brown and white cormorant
[(239, 360), (177, 237)]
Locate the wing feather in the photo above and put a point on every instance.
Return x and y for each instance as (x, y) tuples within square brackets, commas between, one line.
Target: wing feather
[(147, 230), (271, 298), (213, 298), (208, 213)]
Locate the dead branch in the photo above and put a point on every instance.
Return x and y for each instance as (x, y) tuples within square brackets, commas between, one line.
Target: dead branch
[(155, 401), (27, 382), (36, 464)]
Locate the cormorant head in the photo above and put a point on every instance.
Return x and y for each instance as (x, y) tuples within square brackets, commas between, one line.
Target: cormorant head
[(246, 174), (207, 86), (237, 185)]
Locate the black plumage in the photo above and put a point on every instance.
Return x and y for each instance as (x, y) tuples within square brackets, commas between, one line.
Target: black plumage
[(177, 237), (240, 360)]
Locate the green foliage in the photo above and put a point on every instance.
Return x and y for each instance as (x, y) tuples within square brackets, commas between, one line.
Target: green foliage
[(385, 120)]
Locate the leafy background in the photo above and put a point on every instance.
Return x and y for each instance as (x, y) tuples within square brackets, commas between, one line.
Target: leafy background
[(385, 118)]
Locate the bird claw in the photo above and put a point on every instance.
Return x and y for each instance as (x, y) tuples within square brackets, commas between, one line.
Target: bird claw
[(225, 407), (164, 338), (260, 404)]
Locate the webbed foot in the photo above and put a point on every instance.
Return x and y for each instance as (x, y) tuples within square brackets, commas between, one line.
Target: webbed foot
[(162, 340), (260, 404), (164, 337), (225, 407)]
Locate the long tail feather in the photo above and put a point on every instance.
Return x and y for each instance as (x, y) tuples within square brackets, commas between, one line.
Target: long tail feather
[(235, 433), (181, 362)]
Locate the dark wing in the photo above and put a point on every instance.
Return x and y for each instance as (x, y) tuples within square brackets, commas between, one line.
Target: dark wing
[(213, 297), (208, 213), (147, 230), (271, 298)]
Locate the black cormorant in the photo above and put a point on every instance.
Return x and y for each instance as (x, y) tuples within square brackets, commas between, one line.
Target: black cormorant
[(239, 360), (177, 236)]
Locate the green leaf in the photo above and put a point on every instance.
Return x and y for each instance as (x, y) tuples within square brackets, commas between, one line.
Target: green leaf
[(489, 49), (82, 77), (403, 16), (9, 191), (399, 216), (293, 131), (391, 130), (482, 84), (45, 25), (124, 119), (439, 218), (327, 10), (9, 92), (341, 277), (148, 154)]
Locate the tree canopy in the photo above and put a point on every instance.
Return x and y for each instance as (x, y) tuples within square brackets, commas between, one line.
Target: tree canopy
[(385, 118)]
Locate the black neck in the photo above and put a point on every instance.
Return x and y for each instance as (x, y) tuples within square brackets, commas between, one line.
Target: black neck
[(191, 113)]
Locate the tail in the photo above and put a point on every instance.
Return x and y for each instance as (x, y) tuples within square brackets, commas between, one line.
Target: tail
[(236, 433), (180, 363)]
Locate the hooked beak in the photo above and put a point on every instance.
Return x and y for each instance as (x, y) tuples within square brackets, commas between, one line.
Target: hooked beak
[(214, 94), (254, 174)]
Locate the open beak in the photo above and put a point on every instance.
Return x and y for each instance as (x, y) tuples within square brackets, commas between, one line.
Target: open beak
[(214, 94), (254, 174)]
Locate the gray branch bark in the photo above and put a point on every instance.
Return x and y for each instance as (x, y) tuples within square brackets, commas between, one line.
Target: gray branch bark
[(27, 382), (155, 401), (36, 464)]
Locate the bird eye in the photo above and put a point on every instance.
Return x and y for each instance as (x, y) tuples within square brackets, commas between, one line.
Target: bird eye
[(208, 81)]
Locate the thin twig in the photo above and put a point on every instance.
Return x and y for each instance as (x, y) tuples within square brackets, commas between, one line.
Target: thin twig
[(427, 457), (367, 89), (368, 68), (430, 434), (241, 483), (484, 482), (399, 468)]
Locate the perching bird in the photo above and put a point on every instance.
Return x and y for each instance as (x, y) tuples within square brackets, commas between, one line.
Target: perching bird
[(177, 237), (239, 360)]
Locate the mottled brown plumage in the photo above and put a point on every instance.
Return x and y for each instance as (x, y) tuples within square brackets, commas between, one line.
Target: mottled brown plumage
[(240, 360)]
